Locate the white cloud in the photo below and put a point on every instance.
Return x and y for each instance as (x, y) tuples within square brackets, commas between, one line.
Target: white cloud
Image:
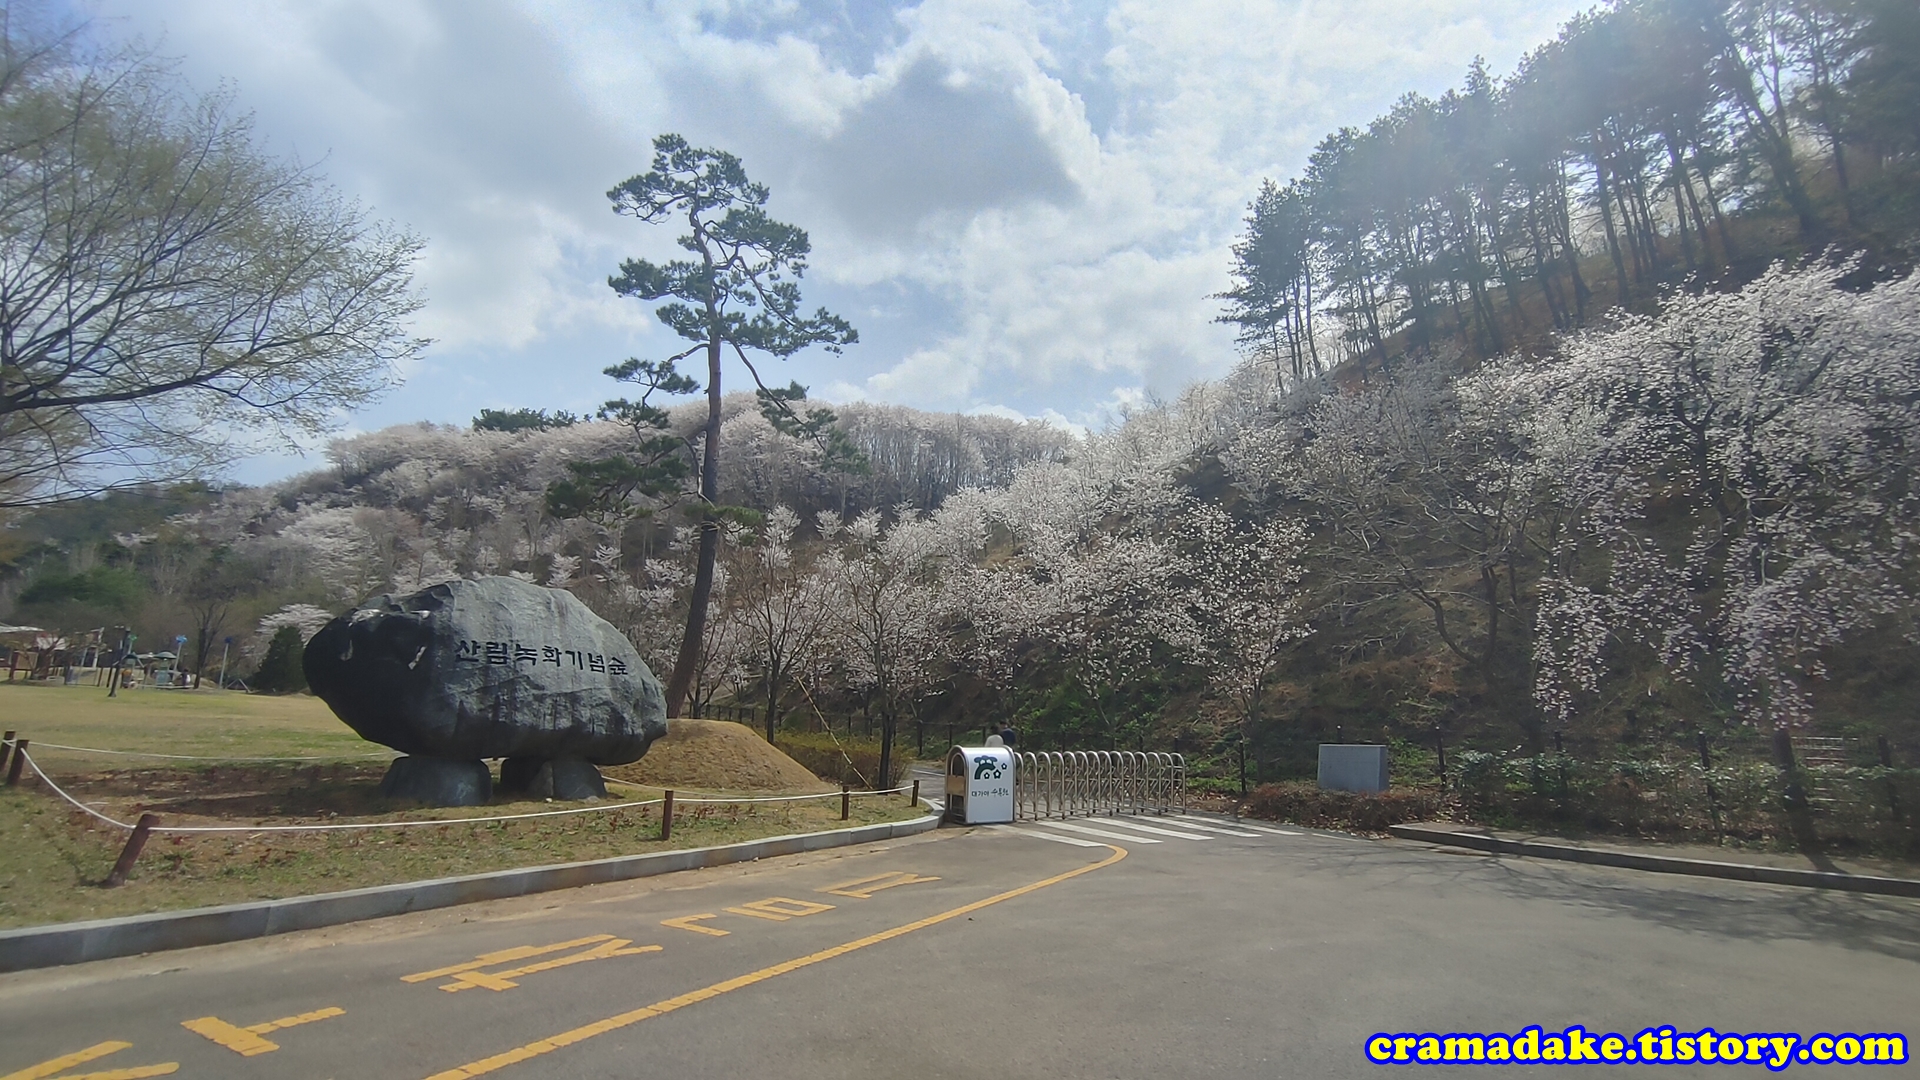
[(1055, 182)]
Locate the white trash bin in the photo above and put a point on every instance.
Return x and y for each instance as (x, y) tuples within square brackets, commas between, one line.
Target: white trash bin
[(980, 785)]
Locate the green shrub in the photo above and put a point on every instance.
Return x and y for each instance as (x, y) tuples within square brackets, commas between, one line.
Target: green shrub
[(1212, 785)]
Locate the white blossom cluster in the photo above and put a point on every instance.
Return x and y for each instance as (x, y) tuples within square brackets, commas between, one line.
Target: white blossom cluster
[(1736, 474)]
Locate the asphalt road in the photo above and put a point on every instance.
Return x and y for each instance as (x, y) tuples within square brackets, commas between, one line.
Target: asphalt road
[(989, 953)]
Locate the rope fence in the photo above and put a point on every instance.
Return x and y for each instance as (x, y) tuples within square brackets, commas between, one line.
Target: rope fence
[(333, 827), (193, 757), (14, 755), (797, 798)]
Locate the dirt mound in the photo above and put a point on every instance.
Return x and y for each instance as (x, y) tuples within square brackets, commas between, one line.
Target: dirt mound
[(717, 755)]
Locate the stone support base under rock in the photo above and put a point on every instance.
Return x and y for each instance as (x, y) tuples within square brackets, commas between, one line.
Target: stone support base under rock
[(439, 782), (560, 778)]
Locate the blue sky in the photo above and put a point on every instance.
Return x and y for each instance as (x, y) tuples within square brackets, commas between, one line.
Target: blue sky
[(1022, 206)]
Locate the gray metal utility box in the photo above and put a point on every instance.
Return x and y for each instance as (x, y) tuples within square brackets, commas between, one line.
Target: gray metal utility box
[(1353, 767)]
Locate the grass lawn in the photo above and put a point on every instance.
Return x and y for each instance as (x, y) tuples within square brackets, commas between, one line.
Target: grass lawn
[(203, 723), (55, 856)]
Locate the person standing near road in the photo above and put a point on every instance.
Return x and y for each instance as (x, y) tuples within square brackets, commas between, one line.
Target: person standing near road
[(1006, 736)]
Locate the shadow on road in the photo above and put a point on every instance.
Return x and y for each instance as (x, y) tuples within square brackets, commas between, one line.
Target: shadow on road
[(1889, 926)]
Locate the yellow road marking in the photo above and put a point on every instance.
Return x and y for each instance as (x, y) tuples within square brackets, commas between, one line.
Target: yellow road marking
[(518, 952), (502, 980), (237, 1039), (864, 888), (68, 1061), (771, 916), (81, 1057), (138, 1072), (780, 908), (246, 1041), (295, 1021), (660, 1008), (685, 922)]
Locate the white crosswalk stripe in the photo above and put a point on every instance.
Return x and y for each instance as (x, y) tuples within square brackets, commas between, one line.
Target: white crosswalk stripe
[(1039, 834), (1128, 823), (1189, 823), (1070, 827), (1195, 830), (1243, 824)]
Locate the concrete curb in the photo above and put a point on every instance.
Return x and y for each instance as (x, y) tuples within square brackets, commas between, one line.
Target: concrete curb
[(100, 939), (1659, 864)]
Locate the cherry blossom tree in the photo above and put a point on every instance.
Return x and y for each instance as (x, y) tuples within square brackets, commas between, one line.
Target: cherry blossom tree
[(1739, 472), (781, 607), (886, 615), (1090, 575), (305, 618), (1241, 588)]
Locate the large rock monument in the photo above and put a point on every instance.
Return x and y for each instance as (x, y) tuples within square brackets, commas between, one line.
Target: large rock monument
[(491, 667)]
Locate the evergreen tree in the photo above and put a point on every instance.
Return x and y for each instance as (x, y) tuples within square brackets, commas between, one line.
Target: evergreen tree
[(739, 291), (281, 671)]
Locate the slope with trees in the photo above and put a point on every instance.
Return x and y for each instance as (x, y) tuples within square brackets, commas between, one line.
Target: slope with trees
[(1652, 142)]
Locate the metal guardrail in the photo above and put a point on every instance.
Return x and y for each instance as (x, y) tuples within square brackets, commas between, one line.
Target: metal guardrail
[(1082, 782)]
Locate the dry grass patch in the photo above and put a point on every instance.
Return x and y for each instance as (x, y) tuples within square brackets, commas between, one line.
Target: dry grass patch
[(55, 855), (717, 755)]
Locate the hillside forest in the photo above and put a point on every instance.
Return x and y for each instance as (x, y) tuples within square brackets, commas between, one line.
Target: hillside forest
[(1577, 408)]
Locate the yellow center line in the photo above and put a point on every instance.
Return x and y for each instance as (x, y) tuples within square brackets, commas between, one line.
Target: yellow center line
[(660, 1008)]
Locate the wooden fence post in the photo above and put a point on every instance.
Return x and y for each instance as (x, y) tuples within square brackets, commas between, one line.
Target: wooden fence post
[(6, 748), (124, 865), (915, 801), (846, 801), (19, 759), (666, 817)]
